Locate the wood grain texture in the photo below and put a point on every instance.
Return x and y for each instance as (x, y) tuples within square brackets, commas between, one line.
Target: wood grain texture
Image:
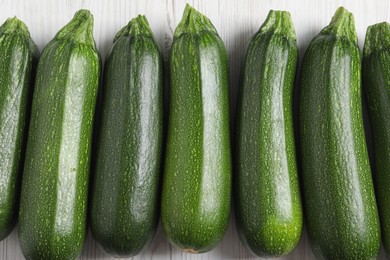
[(236, 21)]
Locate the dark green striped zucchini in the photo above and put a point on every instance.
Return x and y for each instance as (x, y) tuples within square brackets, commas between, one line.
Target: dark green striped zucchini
[(197, 178), (341, 211), (267, 202), (52, 217), (376, 79), (125, 197), (18, 57)]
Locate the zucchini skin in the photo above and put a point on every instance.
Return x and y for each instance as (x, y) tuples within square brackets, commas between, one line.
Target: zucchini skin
[(341, 211), (52, 217), (18, 58), (197, 178), (125, 198), (376, 83), (267, 202)]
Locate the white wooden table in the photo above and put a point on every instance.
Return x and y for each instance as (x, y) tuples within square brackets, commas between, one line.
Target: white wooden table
[(235, 20)]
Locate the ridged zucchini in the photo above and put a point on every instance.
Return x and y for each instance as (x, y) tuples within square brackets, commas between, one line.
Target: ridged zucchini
[(18, 58), (53, 208), (267, 202), (197, 177), (376, 83), (341, 212), (125, 197)]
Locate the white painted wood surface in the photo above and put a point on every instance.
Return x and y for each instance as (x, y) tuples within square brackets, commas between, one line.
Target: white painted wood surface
[(235, 20)]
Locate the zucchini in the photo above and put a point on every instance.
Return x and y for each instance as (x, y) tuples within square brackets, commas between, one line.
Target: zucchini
[(267, 202), (376, 83), (125, 196), (18, 58), (52, 217), (341, 212), (197, 177)]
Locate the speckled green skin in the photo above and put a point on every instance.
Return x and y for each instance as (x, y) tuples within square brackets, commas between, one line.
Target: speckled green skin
[(125, 197), (267, 198), (52, 217), (341, 213), (376, 79), (197, 178), (18, 57)]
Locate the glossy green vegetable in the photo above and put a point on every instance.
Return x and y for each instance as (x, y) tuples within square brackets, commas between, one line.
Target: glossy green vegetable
[(18, 57), (376, 79), (197, 178), (341, 212), (125, 198), (55, 182), (267, 202)]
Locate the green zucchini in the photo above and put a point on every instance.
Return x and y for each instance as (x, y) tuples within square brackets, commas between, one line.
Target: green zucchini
[(52, 217), (376, 83), (267, 202), (18, 58), (125, 196), (197, 177), (341, 212)]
